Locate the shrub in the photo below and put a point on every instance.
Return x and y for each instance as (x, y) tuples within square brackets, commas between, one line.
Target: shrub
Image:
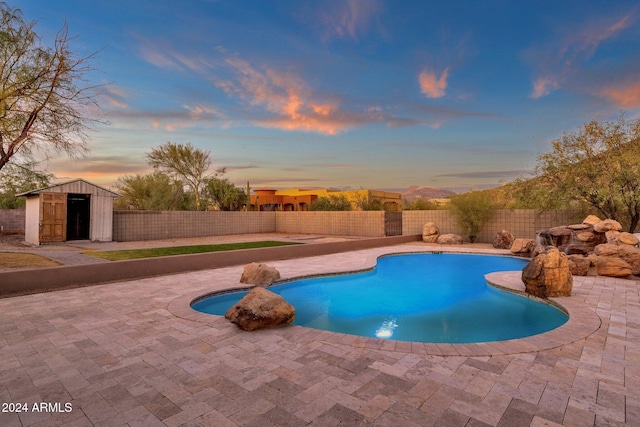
[(472, 210)]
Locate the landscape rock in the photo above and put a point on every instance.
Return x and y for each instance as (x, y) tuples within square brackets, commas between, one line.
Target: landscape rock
[(611, 236), (629, 254), (523, 247), (547, 274), (591, 220), (628, 239), (259, 274), (449, 239), (503, 240), (579, 265), (430, 232), (585, 236), (612, 266), (582, 226), (606, 225), (260, 309)]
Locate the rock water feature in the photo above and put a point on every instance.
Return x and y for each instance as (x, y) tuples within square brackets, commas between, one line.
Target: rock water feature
[(594, 247)]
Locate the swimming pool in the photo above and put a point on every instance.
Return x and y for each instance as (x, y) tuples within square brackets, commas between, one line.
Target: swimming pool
[(432, 298)]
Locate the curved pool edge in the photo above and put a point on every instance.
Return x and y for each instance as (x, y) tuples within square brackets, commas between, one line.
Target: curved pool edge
[(582, 321)]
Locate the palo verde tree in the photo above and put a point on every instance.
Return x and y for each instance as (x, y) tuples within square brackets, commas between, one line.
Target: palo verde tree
[(186, 164), (597, 165), (45, 102)]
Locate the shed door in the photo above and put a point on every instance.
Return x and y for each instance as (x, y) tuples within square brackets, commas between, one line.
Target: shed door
[(53, 217)]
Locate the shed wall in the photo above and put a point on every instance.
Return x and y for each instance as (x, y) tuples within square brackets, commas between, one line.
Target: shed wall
[(101, 229)]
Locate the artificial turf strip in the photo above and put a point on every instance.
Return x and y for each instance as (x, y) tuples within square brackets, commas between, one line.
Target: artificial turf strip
[(183, 250)]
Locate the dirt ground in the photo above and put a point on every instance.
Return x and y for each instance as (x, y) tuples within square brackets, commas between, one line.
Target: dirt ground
[(13, 254)]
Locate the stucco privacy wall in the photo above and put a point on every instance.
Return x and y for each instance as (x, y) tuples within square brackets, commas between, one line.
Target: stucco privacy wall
[(520, 222), (12, 220)]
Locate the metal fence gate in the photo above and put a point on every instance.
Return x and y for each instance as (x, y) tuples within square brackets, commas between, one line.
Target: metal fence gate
[(392, 223)]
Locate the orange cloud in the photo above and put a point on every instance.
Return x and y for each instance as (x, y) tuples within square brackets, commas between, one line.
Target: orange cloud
[(285, 95), (625, 96), (431, 85)]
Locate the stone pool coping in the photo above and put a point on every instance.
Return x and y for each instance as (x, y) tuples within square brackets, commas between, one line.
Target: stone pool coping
[(582, 320)]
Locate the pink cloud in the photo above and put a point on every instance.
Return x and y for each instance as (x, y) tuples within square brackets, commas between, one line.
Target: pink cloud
[(431, 85), (543, 86), (627, 96)]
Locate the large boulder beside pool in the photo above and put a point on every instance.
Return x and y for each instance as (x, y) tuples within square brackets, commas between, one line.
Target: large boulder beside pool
[(430, 233), (259, 274), (547, 274), (523, 247), (503, 240), (449, 239), (261, 309)]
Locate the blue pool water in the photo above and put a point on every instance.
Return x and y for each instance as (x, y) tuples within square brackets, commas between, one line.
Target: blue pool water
[(436, 298)]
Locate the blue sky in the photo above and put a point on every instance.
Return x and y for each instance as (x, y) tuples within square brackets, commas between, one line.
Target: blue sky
[(348, 93)]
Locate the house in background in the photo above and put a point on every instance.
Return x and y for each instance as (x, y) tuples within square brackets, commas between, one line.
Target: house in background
[(298, 199), (74, 210)]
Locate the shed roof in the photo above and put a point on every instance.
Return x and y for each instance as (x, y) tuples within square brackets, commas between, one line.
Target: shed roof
[(75, 186)]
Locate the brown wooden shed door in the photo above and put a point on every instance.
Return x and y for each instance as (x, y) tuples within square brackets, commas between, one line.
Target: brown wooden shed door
[(53, 217)]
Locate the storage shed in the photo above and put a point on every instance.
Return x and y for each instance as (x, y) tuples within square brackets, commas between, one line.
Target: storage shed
[(74, 210)]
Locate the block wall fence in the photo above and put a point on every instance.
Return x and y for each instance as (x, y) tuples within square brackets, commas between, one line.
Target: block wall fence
[(12, 221), (144, 225)]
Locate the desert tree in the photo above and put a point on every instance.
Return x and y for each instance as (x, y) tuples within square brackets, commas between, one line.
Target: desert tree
[(17, 178), (221, 194), (185, 163), (46, 102), (597, 165), (156, 192), (365, 201)]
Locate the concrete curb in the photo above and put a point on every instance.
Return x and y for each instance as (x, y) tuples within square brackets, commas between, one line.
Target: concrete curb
[(52, 278)]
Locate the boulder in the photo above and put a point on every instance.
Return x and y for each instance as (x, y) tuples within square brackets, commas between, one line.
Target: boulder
[(503, 240), (585, 236), (579, 265), (260, 309), (577, 227), (611, 236), (430, 232), (259, 274), (547, 274), (591, 220), (606, 225), (629, 254), (523, 247), (606, 249), (449, 239), (628, 239), (613, 266)]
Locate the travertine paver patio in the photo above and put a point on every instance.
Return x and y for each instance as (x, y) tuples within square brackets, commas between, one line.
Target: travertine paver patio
[(133, 353)]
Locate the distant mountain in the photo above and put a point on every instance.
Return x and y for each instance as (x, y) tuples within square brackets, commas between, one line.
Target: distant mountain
[(420, 192)]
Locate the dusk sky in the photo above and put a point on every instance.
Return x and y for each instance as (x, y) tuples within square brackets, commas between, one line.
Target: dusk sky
[(348, 93)]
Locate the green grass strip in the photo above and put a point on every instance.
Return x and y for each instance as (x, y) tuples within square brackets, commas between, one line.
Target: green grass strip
[(182, 250)]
